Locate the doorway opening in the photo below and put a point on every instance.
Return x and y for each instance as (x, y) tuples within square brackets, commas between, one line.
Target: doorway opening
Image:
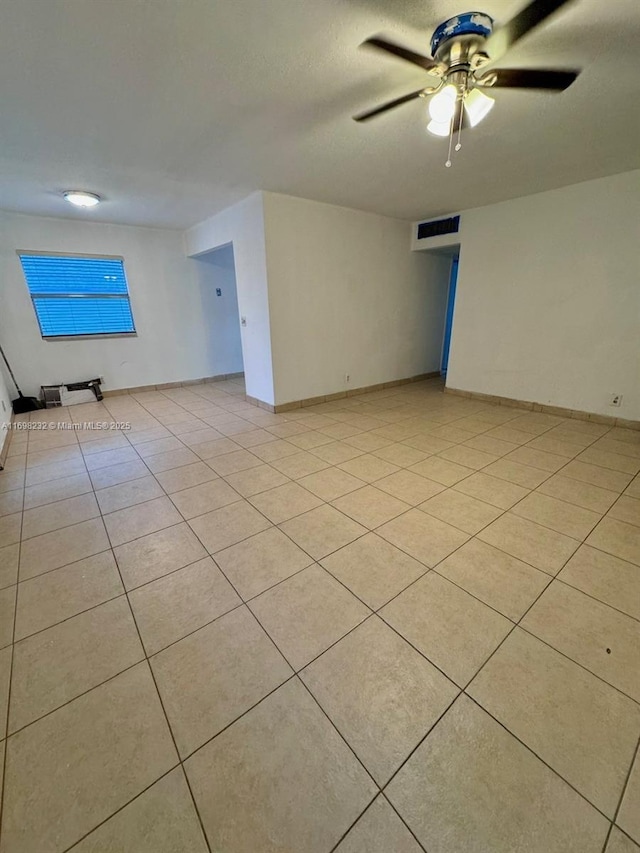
[(448, 322), (219, 296)]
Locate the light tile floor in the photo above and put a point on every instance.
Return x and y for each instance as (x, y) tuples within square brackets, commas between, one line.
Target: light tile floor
[(392, 623)]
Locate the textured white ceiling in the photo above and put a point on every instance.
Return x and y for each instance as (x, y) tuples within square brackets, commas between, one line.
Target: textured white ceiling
[(174, 109)]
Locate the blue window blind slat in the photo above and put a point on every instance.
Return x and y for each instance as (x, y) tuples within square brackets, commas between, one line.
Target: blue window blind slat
[(55, 274), (78, 296), (69, 316)]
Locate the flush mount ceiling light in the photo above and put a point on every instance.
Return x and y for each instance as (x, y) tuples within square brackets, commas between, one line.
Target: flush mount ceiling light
[(80, 198), (463, 49)]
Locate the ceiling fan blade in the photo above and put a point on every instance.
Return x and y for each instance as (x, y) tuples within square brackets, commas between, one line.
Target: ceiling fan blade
[(424, 62), (389, 106), (528, 78), (530, 17)]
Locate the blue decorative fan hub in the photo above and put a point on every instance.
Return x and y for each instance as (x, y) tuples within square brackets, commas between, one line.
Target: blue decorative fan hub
[(467, 24)]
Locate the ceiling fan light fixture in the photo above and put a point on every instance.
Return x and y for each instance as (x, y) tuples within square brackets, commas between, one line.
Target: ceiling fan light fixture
[(443, 105), (464, 50), (478, 106), (439, 128)]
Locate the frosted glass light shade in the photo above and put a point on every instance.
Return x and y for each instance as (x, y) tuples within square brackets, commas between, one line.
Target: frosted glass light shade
[(439, 128), (478, 106), (443, 105)]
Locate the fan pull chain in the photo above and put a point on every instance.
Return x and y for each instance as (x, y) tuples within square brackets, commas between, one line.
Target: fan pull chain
[(459, 143), (452, 129), (462, 97)]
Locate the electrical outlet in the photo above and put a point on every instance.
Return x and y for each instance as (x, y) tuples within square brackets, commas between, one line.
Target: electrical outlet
[(346, 377), (615, 400)]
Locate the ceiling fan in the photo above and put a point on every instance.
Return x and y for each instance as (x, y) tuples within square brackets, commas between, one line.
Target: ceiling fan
[(463, 50)]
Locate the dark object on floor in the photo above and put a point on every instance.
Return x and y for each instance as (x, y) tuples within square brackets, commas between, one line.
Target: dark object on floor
[(71, 393), (21, 404), (92, 384)]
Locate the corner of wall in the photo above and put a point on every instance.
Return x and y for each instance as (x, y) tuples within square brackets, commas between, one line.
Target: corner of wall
[(243, 226), (5, 416)]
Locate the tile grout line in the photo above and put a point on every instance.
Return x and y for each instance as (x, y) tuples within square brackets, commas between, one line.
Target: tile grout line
[(77, 696), (313, 559), (294, 675), (504, 512), (577, 663), (622, 795), (193, 799), (534, 753), (326, 502), (3, 775), (370, 483), (164, 712), (146, 659), (387, 800), (518, 625), (281, 653), (351, 825), (331, 722), (120, 808), (593, 597), (547, 574), (379, 788), (463, 691)]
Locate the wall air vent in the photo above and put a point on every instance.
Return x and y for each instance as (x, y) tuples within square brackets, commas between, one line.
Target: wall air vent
[(438, 227)]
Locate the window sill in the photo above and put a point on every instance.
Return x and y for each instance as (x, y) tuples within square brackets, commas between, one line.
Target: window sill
[(96, 337)]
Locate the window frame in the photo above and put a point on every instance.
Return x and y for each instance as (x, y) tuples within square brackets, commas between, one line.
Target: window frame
[(91, 256)]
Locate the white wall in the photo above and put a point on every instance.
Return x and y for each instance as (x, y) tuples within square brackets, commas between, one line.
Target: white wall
[(172, 343), (5, 406), (548, 298), (216, 270), (346, 295), (243, 226)]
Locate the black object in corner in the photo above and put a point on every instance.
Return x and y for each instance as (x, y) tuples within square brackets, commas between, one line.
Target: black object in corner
[(21, 404)]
